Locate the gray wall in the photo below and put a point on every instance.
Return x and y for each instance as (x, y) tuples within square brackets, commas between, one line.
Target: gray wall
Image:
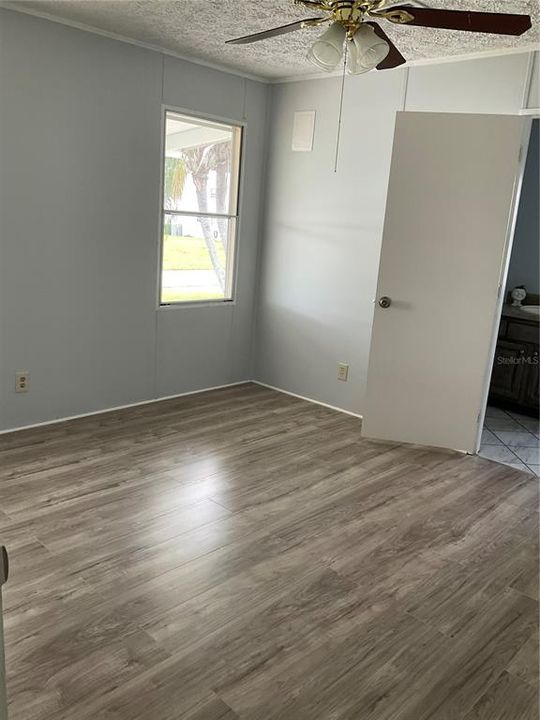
[(79, 193), (323, 234), (323, 230), (525, 259), (79, 209)]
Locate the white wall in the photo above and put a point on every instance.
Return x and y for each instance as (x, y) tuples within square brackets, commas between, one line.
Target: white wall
[(323, 230), (79, 193)]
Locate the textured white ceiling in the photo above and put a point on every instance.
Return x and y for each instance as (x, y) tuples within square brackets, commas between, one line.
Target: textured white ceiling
[(199, 28)]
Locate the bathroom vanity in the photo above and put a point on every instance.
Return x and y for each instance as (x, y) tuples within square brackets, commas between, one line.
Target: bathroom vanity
[(515, 377)]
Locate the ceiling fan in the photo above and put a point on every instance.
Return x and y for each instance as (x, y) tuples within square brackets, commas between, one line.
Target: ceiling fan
[(366, 45)]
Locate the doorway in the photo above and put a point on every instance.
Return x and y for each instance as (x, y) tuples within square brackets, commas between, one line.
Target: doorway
[(511, 431)]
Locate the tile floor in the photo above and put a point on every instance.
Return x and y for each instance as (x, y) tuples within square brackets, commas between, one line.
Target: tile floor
[(512, 439)]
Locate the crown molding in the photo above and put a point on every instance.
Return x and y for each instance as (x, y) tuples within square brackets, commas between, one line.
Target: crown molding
[(478, 55), (131, 41), (497, 52)]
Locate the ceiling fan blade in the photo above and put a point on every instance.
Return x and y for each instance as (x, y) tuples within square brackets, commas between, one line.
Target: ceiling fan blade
[(394, 57), (483, 22), (298, 25)]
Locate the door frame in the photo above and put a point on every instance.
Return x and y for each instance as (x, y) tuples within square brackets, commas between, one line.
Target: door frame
[(505, 266), (4, 571)]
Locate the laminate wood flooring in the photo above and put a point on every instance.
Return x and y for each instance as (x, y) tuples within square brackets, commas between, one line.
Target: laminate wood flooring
[(244, 555)]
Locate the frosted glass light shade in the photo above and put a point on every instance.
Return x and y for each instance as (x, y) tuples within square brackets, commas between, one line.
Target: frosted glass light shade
[(327, 51), (366, 50)]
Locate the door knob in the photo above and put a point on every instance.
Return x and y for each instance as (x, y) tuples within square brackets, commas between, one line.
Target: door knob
[(385, 302)]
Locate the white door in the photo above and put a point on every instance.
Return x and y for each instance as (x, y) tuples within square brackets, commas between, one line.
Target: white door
[(449, 213)]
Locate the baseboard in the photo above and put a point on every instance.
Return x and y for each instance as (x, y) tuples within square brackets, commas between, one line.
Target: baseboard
[(172, 397), (121, 407), (311, 400)]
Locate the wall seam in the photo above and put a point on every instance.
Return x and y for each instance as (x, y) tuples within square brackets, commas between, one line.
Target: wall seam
[(253, 360), (160, 240)]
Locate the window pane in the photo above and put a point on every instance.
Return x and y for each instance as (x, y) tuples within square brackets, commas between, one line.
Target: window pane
[(197, 258), (200, 160)]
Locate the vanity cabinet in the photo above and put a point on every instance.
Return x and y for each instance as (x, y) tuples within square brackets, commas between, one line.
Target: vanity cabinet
[(515, 376), (507, 374), (531, 397)]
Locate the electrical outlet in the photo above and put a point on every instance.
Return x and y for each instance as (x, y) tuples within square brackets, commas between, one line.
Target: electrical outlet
[(21, 381), (343, 372)]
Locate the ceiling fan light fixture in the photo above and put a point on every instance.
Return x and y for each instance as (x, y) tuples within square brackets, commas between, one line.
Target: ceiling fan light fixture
[(365, 51), (327, 50)]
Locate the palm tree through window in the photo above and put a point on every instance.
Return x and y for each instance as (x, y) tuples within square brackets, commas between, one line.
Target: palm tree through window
[(200, 209)]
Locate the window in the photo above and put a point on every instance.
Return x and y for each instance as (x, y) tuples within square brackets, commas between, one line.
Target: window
[(200, 209)]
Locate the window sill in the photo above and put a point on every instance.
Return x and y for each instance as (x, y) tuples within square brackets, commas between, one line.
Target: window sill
[(196, 304)]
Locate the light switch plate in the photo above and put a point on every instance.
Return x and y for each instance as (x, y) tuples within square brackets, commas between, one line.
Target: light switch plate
[(343, 372)]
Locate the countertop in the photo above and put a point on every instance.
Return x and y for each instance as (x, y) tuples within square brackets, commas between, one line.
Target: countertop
[(517, 314)]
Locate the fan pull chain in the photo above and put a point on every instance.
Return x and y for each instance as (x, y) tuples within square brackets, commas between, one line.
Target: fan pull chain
[(338, 138)]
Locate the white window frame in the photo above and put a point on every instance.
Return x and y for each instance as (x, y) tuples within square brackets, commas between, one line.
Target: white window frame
[(232, 249)]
